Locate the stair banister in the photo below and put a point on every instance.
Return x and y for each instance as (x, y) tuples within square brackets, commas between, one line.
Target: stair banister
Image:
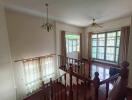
[(71, 91)]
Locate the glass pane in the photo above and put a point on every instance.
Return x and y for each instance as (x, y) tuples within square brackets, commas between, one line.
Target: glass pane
[(117, 54), (100, 53), (78, 48), (101, 35), (93, 55), (74, 48), (112, 34), (110, 42), (118, 41), (119, 33), (94, 36), (70, 48), (94, 51), (74, 43), (101, 42), (110, 51), (70, 43), (94, 42)]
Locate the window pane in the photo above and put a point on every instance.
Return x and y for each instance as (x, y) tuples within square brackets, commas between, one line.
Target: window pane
[(94, 51), (112, 34), (100, 53), (118, 41), (94, 42), (94, 36), (117, 54), (101, 35), (110, 41), (70, 48), (101, 41), (119, 33), (70, 43), (110, 53)]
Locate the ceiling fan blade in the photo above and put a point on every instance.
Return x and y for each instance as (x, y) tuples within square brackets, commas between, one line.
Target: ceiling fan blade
[(98, 25)]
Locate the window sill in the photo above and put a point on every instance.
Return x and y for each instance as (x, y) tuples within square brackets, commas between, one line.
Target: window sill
[(106, 63)]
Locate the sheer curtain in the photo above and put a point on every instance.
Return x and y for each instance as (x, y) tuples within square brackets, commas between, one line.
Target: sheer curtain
[(38, 70), (32, 75), (47, 67)]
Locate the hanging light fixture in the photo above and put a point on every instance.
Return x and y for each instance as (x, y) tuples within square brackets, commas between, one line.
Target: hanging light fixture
[(47, 26)]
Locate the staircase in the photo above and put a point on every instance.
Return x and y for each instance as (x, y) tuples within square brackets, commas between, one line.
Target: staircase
[(75, 84)]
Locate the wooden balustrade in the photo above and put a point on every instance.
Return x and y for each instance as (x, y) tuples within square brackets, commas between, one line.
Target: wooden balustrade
[(81, 67), (74, 67)]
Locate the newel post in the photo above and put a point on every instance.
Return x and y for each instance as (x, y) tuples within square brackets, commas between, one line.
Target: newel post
[(96, 82), (71, 92)]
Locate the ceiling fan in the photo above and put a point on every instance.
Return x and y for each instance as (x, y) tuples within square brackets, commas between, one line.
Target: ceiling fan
[(94, 24)]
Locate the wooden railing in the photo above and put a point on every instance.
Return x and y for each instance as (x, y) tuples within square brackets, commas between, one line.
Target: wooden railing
[(79, 66), (66, 87), (53, 90)]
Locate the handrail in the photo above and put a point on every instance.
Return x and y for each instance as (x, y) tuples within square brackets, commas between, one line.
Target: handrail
[(34, 58), (110, 79), (74, 58), (43, 88)]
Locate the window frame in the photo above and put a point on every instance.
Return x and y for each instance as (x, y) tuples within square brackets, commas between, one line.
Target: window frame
[(105, 46), (72, 46)]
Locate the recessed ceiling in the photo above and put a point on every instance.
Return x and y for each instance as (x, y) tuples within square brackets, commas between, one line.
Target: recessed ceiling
[(75, 12)]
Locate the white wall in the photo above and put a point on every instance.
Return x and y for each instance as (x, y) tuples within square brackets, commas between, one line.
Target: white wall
[(7, 86), (27, 38)]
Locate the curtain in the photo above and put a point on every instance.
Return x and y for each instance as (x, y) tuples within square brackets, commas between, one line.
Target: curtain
[(63, 48), (63, 43), (80, 56), (89, 45), (47, 68), (32, 75), (124, 42), (37, 71)]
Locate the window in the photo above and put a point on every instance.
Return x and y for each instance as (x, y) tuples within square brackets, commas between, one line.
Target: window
[(32, 75), (105, 46), (72, 43), (36, 71)]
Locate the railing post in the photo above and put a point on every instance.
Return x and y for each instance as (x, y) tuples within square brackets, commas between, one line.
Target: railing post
[(51, 87), (107, 90), (65, 87), (77, 87), (89, 65), (96, 82), (71, 92)]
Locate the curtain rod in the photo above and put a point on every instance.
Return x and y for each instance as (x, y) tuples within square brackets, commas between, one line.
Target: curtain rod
[(35, 57)]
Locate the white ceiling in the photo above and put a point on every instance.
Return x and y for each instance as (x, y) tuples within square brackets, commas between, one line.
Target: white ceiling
[(76, 12)]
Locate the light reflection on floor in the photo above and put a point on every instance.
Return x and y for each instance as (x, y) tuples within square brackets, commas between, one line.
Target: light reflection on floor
[(103, 71)]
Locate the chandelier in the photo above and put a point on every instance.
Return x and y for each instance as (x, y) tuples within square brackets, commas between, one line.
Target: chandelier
[(46, 25)]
